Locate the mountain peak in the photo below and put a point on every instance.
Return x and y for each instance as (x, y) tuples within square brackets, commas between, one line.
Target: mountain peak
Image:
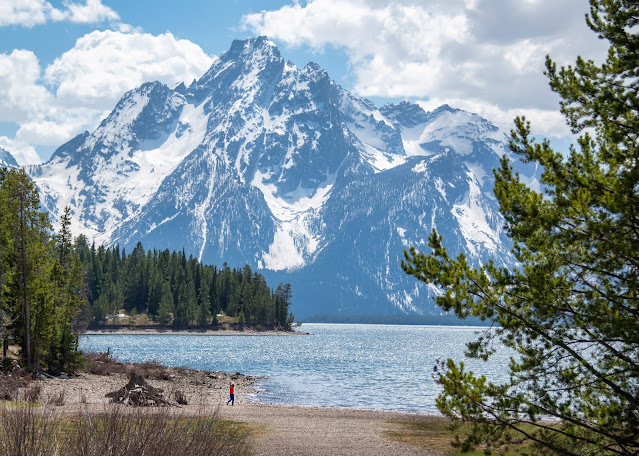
[(260, 45), (70, 147), (264, 163), (244, 57), (445, 108), (405, 113), (315, 72), (7, 159)]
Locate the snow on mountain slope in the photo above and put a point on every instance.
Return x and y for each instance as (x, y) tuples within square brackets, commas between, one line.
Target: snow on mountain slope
[(7, 160), (121, 165), (471, 214), (294, 214), (264, 163)]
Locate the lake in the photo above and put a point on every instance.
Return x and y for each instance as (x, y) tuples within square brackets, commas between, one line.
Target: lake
[(379, 367)]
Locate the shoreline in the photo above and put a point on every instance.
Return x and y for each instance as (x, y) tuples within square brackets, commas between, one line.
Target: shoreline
[(190, 332), (277, 429)]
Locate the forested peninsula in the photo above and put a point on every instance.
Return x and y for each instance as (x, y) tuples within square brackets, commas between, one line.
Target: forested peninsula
[(53, 287)]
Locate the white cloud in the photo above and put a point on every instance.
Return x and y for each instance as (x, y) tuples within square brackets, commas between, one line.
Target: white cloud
[(90, 12), (21, 95), (102, 66), (29, 13), (24, 12), (57, 130), (23, 152), (85, 83), (489, 51)]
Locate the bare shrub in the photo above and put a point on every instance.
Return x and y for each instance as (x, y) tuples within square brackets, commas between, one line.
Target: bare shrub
[(153, 370), (104, 364), (156, 431), (58, 399), (33, 392), (10, 385), (180, 397), (27, 430)]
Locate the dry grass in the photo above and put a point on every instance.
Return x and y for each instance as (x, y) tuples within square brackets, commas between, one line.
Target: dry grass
[(12, 384), (58, 399), (33, 429), (29, 430), (436, 435), (428, 433), (26, 430)]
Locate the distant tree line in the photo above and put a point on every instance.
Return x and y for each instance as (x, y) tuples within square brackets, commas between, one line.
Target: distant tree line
[(52, 286), (177, 290)]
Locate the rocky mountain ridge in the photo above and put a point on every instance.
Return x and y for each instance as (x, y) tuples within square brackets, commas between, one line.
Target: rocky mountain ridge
[(262, 163), (7, 160)]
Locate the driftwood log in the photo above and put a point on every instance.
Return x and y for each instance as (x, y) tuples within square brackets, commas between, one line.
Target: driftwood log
[(139, 393)]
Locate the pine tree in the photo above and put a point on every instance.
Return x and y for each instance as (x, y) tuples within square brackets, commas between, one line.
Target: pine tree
[(204, 311), (155, 290), (283, 296), (571, 310), (165, 309), (241, 320), (172, 294), (27, 242)]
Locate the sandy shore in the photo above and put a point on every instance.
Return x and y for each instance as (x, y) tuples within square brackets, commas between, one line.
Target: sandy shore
[(280, 430)]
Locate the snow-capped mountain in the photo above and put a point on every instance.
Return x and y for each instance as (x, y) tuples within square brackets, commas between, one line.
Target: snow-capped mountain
[(264, 163), (7, 160)]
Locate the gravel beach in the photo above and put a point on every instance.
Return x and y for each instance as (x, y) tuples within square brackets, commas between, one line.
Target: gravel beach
[(280, 430)]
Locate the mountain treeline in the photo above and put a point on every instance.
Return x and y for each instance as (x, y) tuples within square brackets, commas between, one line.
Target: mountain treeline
[(177, 290), (52, 287)]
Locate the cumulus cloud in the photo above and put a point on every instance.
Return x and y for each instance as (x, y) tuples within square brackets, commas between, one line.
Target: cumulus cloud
[(104, 65), (24, 12), (85, 83), (90, 12), (22, 96), (489, 51), (28, 13), (24, 153)]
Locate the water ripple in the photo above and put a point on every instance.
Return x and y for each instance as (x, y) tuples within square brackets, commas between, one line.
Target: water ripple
[(379, 367)]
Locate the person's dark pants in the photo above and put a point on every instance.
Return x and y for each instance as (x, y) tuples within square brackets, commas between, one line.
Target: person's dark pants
[(231, 400)]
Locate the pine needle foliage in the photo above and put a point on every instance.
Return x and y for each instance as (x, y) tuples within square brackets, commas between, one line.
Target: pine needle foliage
[(571, 310)]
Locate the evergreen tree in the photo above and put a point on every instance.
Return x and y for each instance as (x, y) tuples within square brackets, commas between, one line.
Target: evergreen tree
[(204, 311), (165, 309), (67, 297), (188, 292), (133, 317), (241, 320), (155, 289), (283, 296), (570, 311), (27, 266)]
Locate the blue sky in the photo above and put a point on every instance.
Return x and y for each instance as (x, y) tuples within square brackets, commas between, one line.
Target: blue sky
[(64, 64)]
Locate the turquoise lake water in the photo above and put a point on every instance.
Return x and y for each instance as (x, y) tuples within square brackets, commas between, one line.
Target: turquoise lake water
[(379, 367)]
